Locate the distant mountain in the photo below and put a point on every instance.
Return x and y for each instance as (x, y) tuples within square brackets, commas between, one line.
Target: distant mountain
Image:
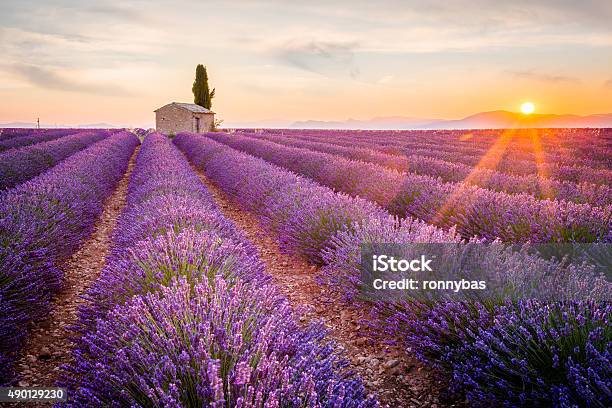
[(258, 124), (484, 120), (505, 119), (18, 125), (385, 122), (99, 126)]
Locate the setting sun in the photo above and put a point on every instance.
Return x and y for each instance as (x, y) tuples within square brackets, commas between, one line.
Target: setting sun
[(527, 108)]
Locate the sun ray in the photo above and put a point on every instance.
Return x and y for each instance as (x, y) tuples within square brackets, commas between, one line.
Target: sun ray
[(466, 136), (492, 158), (540, 163)]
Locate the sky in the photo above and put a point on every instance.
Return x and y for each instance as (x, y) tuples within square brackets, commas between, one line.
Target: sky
[(274, 62)]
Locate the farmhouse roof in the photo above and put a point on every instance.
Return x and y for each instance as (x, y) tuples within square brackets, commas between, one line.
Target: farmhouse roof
[(192, 107)]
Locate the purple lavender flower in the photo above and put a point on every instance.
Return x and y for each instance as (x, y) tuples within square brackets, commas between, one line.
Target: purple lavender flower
[(42, 222), (305, 214), (475, 211), (31, 137), (445, 333), (538, 366), (210, 345), (184, 315), (451, 171), (19, 165), (508, 153)]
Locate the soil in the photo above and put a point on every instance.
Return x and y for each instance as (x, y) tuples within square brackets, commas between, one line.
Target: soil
[(396, 378), (49, 343)]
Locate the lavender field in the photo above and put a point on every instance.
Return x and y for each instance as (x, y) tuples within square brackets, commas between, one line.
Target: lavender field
[(225, 269)]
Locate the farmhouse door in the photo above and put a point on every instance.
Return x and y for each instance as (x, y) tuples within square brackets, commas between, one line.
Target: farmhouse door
[(197, 125)]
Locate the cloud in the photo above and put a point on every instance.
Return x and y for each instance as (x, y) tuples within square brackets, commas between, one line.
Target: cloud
[(543, 77), (50, 79), (78, 50), (517, 14), (129, 13), (328, 58), (608, 83), (385, 79)]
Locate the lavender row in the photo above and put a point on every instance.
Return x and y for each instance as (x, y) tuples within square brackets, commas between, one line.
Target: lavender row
[(514, 145), (475, 211), (589, 145), (19, 165), (531, 150), (568, 171), (566, 147), (277, 197), (561, 171), (505, 152), (305, 214), (524, 354), (42, 222), (341, 224), (579, 143), (440, 332), (33, 139), (10, 133), (551, 137), (539, 187), (184, 314), (538, 336)]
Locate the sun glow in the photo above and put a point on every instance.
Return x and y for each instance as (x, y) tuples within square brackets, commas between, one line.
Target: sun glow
[(527, 108)]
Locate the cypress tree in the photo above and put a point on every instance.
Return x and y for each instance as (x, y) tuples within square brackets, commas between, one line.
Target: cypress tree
[(201, 92)]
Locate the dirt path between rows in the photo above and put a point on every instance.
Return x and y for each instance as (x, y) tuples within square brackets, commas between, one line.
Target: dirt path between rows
[(49, 344), (396, 378)]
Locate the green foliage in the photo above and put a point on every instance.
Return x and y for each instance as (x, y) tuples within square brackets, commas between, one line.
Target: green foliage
[(217, 124), (202, 95)]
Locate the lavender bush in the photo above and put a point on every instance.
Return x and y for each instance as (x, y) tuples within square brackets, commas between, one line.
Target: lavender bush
[(538, 186), (524, 147), (304, 214), (31, 137), (154, 262), (503, 160), (342, 255), (183, 313), (446, 334), (19, 165), (536, 354), (171, 228), (42, 222), (10, 133), (475, 211), (561, 172), (210, 345), (584, 157)]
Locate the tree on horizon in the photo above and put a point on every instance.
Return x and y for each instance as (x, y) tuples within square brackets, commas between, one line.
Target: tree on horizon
[(202, 95)]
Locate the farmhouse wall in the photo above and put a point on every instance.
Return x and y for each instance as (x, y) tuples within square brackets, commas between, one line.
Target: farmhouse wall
[(174, 119)]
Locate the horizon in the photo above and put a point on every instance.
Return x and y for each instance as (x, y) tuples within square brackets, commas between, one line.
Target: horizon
[(422, 123), (277, 63)]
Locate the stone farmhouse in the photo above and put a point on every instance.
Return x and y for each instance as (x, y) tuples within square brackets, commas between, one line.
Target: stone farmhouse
[(178, 117)]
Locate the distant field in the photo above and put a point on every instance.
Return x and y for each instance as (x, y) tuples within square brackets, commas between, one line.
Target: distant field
[(225, 268)]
